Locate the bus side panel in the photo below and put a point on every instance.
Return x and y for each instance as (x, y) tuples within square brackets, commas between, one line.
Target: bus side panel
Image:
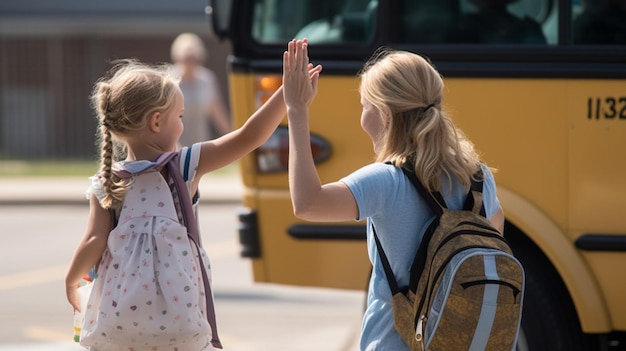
[(597, 187), (519, 127), (306, 262)]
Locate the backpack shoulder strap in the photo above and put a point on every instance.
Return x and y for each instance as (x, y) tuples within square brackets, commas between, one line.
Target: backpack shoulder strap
[(184, 197), (191, 224), (391, 279), (157, 164), (474, 200), (434, 199), (437, 204)]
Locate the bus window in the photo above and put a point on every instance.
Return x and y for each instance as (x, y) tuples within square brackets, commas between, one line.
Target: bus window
[(479, 21), (599, 22), (322, 22)]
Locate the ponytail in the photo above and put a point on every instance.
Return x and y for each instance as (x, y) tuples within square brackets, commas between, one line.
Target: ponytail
[(407, 89)]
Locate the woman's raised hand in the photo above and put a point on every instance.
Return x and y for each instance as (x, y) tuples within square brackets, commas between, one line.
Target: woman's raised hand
[(299, 76)]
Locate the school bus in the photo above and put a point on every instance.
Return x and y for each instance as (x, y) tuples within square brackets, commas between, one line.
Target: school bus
[(538, 85)]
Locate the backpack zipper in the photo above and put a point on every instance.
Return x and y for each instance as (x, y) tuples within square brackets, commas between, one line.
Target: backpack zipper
[(472, 232), (480, 225), (516, 291), (419, 330)]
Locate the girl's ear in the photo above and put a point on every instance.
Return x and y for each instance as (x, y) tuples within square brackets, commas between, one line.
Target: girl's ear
[(155, 122)]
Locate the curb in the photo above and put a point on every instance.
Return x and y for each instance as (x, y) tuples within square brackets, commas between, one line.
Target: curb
[(214, 189)]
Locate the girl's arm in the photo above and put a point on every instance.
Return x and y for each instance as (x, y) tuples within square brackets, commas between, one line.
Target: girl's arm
[(224, 150), (89, 250), (258, 128), (310, 199)]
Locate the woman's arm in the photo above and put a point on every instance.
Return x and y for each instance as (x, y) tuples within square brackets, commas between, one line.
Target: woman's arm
[(310, 199), (89, 250), (258, 128)]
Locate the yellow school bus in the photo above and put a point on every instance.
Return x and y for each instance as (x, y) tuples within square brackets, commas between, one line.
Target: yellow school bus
[(538, 85)]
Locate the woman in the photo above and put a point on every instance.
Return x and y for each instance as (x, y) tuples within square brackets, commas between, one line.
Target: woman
[(206, 116), (401, 96)]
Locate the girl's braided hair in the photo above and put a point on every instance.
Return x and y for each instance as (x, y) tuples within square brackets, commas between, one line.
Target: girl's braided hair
[(124, 100)]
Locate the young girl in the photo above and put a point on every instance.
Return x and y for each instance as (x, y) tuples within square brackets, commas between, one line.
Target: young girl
[(401, 97), (141, 107)]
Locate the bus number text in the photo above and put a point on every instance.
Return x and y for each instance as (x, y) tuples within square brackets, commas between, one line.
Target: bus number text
[(607, 108)]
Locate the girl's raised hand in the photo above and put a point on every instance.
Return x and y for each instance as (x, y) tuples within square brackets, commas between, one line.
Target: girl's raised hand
[(299, 76)]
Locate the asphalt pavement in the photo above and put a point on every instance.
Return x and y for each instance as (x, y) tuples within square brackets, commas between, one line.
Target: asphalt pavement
[(219, 188)]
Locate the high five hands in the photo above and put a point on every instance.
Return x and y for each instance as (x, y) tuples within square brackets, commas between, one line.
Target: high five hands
[(299, 76)]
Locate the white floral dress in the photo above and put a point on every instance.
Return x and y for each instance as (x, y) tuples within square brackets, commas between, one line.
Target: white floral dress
[(148, 292)]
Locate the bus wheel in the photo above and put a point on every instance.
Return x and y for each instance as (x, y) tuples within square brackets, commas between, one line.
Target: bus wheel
[(549, 319)]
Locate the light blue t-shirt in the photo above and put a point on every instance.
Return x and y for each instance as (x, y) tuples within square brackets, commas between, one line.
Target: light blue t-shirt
[(387, 197)]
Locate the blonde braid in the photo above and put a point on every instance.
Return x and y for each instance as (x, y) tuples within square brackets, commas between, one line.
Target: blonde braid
[(124, 100), (114, 189)]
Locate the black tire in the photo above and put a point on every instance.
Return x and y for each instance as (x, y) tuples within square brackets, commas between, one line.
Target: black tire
[(549, 319)]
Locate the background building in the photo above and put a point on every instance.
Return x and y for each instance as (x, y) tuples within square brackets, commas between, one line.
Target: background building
[(52, 52)]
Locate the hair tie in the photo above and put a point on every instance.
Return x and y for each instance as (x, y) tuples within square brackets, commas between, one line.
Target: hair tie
[(428, 107)]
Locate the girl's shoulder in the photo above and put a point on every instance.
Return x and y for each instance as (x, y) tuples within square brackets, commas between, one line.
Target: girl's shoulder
[(96, 187), (96, 181), (189, 157)]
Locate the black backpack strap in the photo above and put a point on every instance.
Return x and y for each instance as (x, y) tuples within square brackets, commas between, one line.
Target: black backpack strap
[(434, 199), (393, 284), (474, 200), (436, 202)]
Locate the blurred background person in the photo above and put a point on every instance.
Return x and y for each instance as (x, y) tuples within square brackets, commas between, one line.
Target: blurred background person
[(205, 115)]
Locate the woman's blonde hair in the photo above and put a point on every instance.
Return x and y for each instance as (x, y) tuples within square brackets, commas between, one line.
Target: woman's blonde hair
[(124, 100), (408, 90)]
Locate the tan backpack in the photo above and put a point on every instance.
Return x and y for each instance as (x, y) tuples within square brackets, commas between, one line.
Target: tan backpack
[(466, 287)]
